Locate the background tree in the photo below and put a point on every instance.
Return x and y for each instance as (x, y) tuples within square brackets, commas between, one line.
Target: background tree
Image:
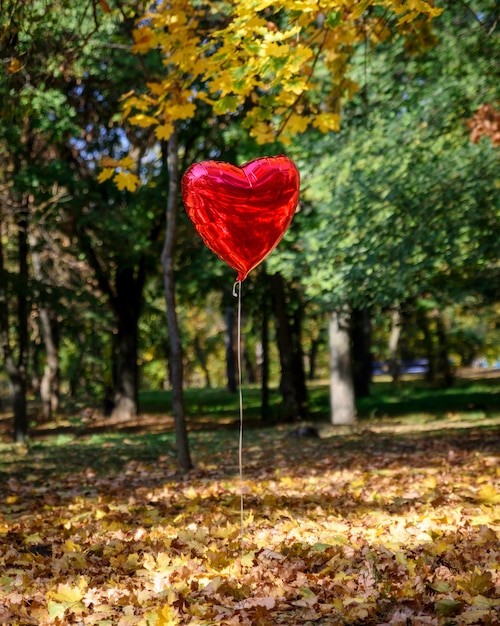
[(394, 203), (61, 103), (38, 47)]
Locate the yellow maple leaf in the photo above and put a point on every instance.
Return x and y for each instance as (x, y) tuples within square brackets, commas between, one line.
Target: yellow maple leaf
[(164, 131), (488, 494), (105, 174), (182, 111), (297, 123), (68, 593), (127, 163), (157, 89), (327, 121), (167, 616), (71, 546), (143, 39), (126, 180), (262, 132), (140, 119)]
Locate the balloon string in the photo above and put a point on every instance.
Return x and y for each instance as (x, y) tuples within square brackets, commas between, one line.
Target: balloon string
[(237, 294)]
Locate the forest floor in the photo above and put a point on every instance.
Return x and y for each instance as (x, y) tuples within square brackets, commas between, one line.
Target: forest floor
[(396, 521)]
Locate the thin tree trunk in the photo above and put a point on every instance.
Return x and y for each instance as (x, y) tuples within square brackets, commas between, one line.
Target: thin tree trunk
[(443, 360), (20, 405), (167, 258), (232, 385), (394, 336), (360, 330), (200, 354), (49, 385), (292, 385), (16, 369), (313, 357), (298, 369), (343, 406), (422, 319), (264, 360)]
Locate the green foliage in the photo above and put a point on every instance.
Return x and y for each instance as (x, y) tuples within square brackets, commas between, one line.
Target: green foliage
[(394, 211), (401, 198)]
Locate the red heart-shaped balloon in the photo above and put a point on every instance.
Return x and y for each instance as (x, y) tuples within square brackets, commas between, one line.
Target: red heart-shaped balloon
[(242, 212)]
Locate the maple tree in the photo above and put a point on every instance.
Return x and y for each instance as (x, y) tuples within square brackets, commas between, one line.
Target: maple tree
[(283, 65)]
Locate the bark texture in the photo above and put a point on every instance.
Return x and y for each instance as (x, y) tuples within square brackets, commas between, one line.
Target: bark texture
[(167, 258), (342, 400)]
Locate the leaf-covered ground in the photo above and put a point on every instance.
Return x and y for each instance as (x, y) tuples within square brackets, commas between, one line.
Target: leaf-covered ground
[(386, 525)]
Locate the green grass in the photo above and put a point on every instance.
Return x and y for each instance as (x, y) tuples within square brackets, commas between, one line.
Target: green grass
[(472, 397), (213, 417), (386, 400), (217, 403)]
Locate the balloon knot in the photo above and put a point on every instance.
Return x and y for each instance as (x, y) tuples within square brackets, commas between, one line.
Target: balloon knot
[(236, 288)]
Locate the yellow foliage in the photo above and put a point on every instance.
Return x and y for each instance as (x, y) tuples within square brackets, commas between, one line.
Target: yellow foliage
[(127, 163), (167, 616), (262, 132), (14, 66), (296, 124), (106, 174), (126, 180), (488, 494), (66, 592), (143, 120), (230, 53), (164, 131), (143, 38), (359, 8), (327, 121)]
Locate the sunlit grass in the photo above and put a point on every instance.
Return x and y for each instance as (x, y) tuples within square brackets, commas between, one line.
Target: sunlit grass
[(408, 398)]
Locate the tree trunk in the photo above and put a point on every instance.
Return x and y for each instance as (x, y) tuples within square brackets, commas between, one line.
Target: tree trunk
[(299, 373), (126, 380), (49, 385), (125, 301), (342, 402), (360, 331), (200, 354), (422, 319), (394, 336), (443, 360), (248, 367), (127, 308), (16, 369), (167, 258), (313, 357), (292, 385), (263, 359), (232, 385)]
